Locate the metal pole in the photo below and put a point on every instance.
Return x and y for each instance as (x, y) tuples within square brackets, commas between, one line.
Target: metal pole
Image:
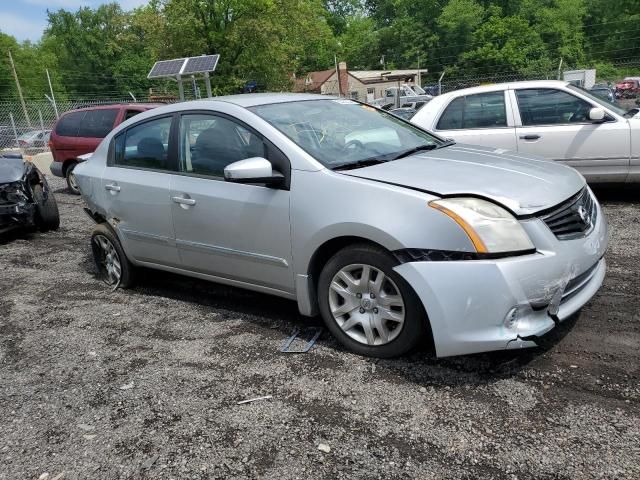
[(15, 75), (440, 84), (559, 68), (53, 99), (419, 73), (15, 132), (41, 122), (207, 82), (180, 88), (335, 59)]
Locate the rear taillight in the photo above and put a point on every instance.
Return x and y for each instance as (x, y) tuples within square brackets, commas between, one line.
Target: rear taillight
[(50, 144)]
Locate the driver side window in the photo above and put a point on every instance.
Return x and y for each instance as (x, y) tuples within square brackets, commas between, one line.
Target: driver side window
[(208, 143), (547, 106)]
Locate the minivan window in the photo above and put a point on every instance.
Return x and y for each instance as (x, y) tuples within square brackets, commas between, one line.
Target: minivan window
[(98, 123), (482, 110), (145, 145), (69, 124), (208, 143), (548, 106)]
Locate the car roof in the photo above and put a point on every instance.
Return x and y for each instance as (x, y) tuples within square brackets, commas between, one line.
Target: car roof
[(146, 106), (255, 99), (507, 86)]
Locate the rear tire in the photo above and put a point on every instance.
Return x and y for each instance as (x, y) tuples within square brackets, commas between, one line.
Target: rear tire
[(114, 268), (47, 215), (379, 317), (72, 182)]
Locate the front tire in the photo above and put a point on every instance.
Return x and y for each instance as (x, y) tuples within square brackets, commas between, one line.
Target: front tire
[(114, 268), (367, 306), (47, 214)]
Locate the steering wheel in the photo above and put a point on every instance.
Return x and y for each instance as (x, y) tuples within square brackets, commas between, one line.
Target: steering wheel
[(353, 143)]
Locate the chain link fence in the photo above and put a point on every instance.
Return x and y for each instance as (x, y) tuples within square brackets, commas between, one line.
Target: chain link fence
[(20, 127)]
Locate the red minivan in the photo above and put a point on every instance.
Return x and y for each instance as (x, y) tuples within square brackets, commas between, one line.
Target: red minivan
[(80, 131)]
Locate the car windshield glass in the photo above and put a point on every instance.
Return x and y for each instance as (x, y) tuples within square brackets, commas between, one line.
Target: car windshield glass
[(338, 132), (418, 89), (600, 100)]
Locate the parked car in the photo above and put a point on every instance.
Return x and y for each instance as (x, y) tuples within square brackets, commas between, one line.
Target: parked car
[(393, 234), (25, 198), (604, 92), (553, 119), (628, 88), (35, 139), (406, 93), (7, 137), (78, 132), (403, 112)]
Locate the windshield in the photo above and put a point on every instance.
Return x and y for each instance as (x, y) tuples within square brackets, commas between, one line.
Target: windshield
[(600, 100), (418, 89), (339, 132)]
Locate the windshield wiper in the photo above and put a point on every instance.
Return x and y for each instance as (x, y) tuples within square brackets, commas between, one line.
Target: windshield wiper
[(367, 162), (413, 150)]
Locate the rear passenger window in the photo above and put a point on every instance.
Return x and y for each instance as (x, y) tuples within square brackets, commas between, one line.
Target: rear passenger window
[(69, 124), (483, 110), (145, 145), (98, 123)]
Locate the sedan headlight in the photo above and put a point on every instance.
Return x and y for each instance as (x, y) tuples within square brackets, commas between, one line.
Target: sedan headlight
[(490, 227)]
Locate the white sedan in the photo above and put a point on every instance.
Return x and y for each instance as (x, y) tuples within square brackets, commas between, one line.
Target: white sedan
[(552, 119)]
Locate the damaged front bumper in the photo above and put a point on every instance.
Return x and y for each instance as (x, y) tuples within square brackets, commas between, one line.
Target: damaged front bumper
[(483, 305)]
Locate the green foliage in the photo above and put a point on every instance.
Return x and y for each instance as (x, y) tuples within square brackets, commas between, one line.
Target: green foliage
[(107, 52)]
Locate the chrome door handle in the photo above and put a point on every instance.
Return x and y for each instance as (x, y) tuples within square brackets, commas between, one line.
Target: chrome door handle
[(530, 137), (112, 187), (184, 201)]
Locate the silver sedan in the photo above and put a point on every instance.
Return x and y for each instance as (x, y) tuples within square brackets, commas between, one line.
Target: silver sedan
[(395, 236)]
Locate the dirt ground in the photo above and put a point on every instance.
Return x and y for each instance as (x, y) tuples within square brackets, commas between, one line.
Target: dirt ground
[(144, 383)]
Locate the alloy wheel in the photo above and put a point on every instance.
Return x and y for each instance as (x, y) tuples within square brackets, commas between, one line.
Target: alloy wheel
[(366, 304), (107, 260)]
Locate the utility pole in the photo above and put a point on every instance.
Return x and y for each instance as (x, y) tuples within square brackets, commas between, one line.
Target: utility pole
[(384, 66), (419, 75), (53, 99), (335, 59), (560, 69), (15, 75)]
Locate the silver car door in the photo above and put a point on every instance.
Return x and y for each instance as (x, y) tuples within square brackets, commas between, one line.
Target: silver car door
[(554, 124), (479, 119), (236, 231), (136, 184)]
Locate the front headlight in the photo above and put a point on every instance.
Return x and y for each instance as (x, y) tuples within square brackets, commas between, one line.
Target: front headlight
[(491, 228)]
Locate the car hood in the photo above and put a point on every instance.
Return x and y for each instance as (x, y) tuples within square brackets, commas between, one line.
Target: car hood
[(11, 169), (521, 183)]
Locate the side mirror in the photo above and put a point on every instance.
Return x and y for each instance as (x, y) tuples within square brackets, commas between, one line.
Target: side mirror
[(596, 114), (252, 170)]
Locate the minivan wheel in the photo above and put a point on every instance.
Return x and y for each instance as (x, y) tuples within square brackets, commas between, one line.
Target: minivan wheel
[(72, 181), (114, 268), (367, 306)]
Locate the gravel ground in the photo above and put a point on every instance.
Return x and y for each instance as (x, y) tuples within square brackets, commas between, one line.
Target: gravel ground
[(145, 383)]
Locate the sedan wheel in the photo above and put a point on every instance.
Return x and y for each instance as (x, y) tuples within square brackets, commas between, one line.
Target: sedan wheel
[(108, 260), (113, 265), (366, 304)]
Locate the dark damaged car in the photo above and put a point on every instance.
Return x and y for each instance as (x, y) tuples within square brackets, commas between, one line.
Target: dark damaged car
[(25, 198)]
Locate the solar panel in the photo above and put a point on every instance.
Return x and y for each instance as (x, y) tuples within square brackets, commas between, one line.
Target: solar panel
[(166, 68), (204, 63)]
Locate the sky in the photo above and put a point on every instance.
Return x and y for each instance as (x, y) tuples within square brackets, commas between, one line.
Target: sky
[(27, 19)]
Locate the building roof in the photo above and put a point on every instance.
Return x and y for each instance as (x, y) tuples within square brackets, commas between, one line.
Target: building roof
[(312, 81), (383, 75)]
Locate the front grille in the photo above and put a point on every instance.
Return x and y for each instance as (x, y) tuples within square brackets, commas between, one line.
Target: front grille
[(574, 218)]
